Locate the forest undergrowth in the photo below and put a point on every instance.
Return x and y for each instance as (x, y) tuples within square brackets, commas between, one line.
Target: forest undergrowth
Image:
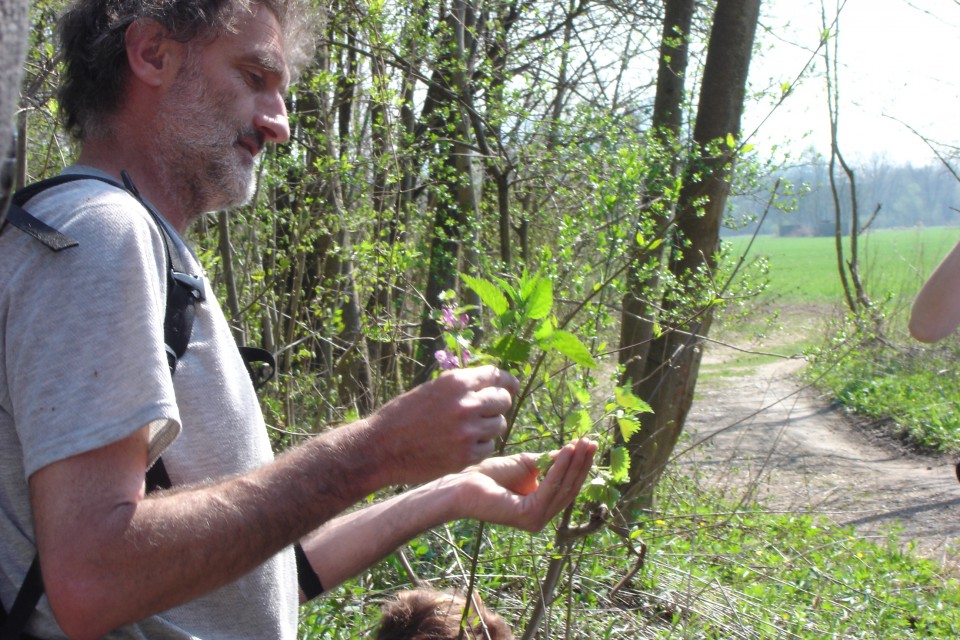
[(705, 563)]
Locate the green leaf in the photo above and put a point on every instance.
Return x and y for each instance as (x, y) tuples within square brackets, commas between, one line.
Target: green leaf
[(488, 292), (579, 393), (540, 301), (731, 142), (544, 462), (570, 346), (625, 398), (579, 423), (628, 427), (598, 490), (508, 290), (511, 349), (619, 465), (543, 332)]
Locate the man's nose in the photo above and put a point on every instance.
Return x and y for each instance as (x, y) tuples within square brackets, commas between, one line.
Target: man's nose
[(271, 119)]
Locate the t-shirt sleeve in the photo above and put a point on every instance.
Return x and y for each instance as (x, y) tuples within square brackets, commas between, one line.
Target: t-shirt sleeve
[(85, 334)]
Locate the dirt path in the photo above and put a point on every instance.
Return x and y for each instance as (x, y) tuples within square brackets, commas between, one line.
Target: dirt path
[(768, 436)]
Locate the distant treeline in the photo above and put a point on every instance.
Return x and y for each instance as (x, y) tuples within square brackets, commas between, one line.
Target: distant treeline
[(906, 195)]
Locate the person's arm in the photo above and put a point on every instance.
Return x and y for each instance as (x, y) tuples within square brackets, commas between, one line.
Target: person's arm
[(111, 556), (936, 310), (500, 490)]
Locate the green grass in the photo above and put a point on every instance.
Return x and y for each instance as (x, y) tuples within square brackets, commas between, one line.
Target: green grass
[(913, 391), (804, 270)]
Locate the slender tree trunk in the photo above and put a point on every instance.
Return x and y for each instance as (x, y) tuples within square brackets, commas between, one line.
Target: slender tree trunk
[(674, 357), (229, 277), (14, 22), (638, 315), (457, 208)]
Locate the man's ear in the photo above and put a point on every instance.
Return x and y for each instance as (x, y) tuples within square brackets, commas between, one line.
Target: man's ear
[(153, 57)]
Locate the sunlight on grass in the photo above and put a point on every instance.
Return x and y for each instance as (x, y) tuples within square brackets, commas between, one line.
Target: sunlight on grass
[(893, 262)]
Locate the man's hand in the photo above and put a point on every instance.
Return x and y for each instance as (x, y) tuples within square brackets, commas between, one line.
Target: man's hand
[(499, 490), (506, 491), (443, 425)]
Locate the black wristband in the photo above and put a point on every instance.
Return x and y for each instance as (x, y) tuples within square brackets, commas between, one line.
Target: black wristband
[(309, 580)]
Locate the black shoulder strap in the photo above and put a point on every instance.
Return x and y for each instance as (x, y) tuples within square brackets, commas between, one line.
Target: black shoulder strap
[(23, 606), (184, 289), (20, 218)]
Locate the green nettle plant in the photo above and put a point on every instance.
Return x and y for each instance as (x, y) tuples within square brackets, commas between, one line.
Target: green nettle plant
[(526, 338)]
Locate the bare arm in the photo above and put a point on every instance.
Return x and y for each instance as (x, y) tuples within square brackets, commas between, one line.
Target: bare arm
[(499, 490), (111, 556), (936, 311)]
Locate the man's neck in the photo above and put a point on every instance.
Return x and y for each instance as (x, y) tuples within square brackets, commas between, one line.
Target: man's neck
[(113, 158)]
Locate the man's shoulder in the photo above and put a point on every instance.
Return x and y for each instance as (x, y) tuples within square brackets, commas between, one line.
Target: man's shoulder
[(73, 191), (94, 208)]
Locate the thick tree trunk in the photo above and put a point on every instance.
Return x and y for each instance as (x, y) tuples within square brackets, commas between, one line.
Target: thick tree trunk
[(674, 358)]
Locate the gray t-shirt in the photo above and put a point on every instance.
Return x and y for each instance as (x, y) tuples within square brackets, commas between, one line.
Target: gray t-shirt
[(82, 365)]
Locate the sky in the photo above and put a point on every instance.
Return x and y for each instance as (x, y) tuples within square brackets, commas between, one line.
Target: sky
[(899, 69)]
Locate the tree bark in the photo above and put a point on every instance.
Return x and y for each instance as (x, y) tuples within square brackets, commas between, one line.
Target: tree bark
[(674, 358), (13, 49), (638, 316), (457, 208)]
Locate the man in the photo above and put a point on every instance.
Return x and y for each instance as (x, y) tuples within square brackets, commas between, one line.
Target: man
[(182, 96)]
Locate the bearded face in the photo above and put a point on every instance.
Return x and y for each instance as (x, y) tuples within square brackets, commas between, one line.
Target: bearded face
[(206, 148)]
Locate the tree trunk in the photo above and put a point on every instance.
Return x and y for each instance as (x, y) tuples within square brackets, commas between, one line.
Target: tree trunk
[(674, 358), (638, 316), (457, 208), (13, 49)]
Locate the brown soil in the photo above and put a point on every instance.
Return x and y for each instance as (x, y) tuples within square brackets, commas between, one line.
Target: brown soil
[(766, 436)]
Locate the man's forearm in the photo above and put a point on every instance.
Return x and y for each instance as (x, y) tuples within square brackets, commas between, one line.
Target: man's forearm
[(347, 545), (194, 539), (936, 310)]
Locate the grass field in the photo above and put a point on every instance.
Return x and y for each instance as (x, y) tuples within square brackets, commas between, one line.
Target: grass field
[(893, 262)]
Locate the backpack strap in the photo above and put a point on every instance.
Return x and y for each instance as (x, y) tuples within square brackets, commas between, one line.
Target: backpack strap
[(47, 235), (20, 218), (24, 605), (184, 290)]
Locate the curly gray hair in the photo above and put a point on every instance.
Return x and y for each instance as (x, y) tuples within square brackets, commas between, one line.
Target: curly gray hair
[(93, 33)]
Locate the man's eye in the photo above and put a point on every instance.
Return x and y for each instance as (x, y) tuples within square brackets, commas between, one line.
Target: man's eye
[(255, 79)]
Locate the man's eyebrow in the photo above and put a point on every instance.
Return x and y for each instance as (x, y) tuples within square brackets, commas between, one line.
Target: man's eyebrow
[(270, 63)]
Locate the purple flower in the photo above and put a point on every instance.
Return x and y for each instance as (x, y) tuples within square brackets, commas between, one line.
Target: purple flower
[(447, 360), (451, 321)]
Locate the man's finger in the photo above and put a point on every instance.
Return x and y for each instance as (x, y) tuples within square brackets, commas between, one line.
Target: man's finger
[(493, 401), (490, 376)]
